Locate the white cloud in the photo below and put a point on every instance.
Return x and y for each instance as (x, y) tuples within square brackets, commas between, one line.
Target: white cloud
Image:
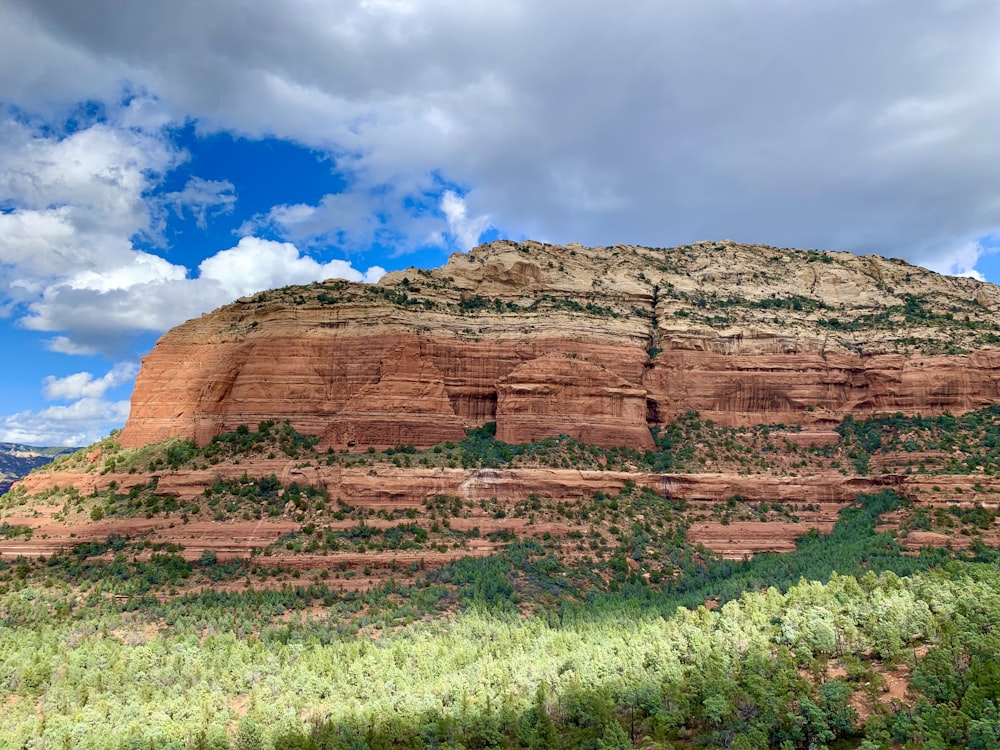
[(466, 231), (67, 258), (89, 184), (203, 198), (866, 126), (65, 345), (81, 385), (256, 264), (962, 260), (74, 201), (856, 125), (396, 215), (99, 311), (88, 417), (80, 423), (141, 269)]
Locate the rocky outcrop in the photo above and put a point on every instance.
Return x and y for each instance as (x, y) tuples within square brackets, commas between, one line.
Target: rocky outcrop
[(397, 487), (597, 343), (741, 390), (588, 402)]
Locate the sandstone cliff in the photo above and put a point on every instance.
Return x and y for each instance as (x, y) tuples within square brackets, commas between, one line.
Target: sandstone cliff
[(596, 343)]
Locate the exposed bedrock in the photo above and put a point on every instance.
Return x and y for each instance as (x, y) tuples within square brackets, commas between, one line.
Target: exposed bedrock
[(597, 343)]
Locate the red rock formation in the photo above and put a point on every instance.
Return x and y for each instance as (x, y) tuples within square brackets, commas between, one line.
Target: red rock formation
[(796, 389), (400, 487), (597, 343), (407, 404), (355, 392), (548, 341), (591, 403)]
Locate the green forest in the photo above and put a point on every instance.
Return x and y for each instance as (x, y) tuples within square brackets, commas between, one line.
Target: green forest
[(500, 652), (806, 668), (850, 641)]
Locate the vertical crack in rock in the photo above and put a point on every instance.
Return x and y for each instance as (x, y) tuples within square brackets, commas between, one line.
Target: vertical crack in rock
[(654, 329)]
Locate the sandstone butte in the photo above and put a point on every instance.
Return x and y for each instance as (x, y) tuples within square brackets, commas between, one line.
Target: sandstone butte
[(599, 343)]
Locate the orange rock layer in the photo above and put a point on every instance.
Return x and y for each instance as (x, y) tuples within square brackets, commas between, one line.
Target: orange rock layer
[(404, 389), (519, 335)]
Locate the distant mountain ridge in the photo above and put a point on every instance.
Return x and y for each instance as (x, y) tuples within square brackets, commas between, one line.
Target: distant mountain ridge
[(17, 460)]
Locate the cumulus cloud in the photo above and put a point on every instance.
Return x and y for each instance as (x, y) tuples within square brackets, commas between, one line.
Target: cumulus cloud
[(961, 261), (256, 264), (466, 230), (81, 385), (399, 216), (99, 311), (80, 423), (100, 168), (65, 345), (139, 269), (844, 124), (853, 125), (74, 204), (87, 417)]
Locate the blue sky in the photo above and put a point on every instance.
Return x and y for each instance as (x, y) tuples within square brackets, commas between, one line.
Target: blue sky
[(159, 160)]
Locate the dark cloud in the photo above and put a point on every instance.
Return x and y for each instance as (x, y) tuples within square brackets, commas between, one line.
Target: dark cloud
[(866, 125)]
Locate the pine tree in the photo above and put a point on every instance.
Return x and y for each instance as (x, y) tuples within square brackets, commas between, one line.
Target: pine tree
[(249, 735), (614, 737), (543, 736)]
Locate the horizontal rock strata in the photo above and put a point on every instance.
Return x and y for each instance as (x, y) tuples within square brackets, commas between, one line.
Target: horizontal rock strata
[(596, 343)]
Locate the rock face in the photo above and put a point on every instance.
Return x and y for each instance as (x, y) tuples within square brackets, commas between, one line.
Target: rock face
[(591, 403), (596, 343), (792, 388), (410, 487)]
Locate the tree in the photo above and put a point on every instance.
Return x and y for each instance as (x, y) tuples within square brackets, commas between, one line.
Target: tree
[(543, 736), (249, 735), (614, 737)]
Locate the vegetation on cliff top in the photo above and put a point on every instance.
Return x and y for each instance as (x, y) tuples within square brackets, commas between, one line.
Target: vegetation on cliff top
[(717, 286), (942, 444)]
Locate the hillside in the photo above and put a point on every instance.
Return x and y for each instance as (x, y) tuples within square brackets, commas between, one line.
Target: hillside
[(750, 384), (528, 500)]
